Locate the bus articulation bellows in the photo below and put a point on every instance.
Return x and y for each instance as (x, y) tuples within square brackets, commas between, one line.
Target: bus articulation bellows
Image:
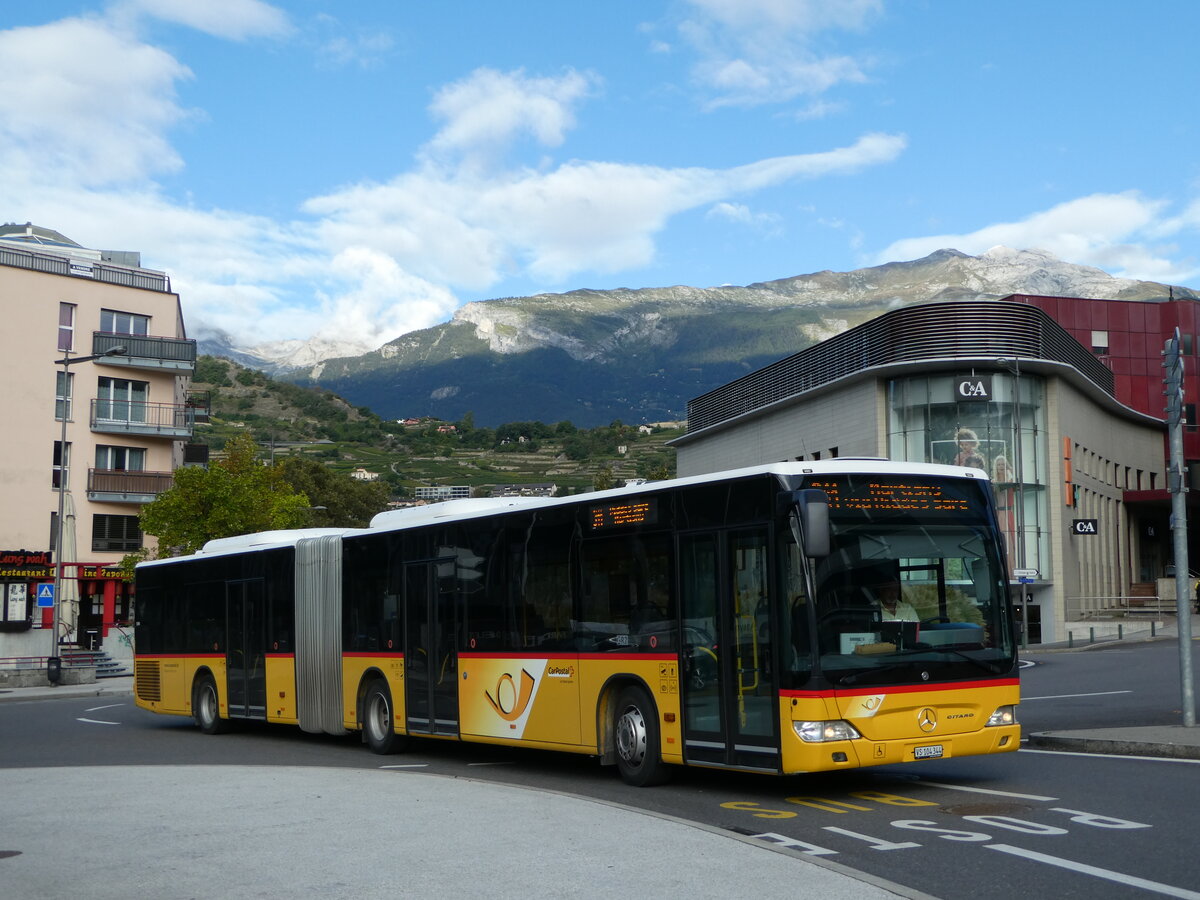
[(798, 617)]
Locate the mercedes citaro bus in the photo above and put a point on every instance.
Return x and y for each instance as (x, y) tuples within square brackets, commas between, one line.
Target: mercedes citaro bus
[(742, 620)]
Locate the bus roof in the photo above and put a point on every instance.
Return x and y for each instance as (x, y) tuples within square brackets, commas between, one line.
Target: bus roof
[(454, 510)]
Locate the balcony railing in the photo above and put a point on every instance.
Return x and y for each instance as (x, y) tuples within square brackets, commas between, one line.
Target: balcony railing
[(201, 402), (173, 420), (57, 264), (195, 454), (122, 486), (146, 351)]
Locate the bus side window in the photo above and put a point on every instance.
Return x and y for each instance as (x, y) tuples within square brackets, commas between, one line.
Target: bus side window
[(627, 601)]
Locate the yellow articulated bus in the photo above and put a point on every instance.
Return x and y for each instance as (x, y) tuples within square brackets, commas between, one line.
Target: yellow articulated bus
[(798, 617)]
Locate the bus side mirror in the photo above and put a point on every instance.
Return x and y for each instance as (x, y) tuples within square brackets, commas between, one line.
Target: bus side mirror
[(812, 508)]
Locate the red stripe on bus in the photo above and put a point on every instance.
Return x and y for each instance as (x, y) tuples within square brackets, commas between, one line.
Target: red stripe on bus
[(902, 689), (568, 654), (372, 654)]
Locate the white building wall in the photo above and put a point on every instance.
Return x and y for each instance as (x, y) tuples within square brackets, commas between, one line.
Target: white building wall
[(1094, 571), (848, 419)]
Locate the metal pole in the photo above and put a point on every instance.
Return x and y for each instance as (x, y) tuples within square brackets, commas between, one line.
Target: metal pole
[(54, 661), (1020, 473), (1183, 600)]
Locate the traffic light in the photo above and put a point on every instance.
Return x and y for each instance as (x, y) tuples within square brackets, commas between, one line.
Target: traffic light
[(1173, 379)]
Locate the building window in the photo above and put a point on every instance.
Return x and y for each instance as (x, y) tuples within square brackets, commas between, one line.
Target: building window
[(1185, 344), (1100, 342), (64, 384), (116, 533), (120, 459), (115, 322), (66, 326), (61, 475), (121, 400), (1189, 415)]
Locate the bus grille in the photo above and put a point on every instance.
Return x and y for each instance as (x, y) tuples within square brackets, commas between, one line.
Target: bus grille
[(146, 681)]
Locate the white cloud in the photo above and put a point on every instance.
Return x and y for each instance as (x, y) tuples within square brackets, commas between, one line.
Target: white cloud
[(84, 140), (1120, 233), (763, 51), (379, 300), (366, 51), (741, 214), (93, 105), (453, 227), (486, 111), (235, 20)]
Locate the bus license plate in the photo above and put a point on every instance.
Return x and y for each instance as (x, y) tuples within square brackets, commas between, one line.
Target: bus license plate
[(933, 751)]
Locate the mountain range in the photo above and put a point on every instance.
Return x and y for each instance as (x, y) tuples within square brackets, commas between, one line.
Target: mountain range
[(638, 355)]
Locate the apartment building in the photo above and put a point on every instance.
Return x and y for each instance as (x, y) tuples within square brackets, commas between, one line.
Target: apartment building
[(96, 365)]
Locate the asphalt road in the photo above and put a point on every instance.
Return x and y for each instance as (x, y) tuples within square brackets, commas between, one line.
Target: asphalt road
[(1034, 822)]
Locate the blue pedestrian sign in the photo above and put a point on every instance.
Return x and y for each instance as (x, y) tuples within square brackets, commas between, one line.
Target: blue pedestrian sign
[(45, 595)]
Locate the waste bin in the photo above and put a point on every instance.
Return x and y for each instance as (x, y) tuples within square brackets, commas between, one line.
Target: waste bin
[(54, 669)]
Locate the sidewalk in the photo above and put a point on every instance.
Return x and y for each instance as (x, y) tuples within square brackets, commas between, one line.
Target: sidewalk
[(259, 831), (104, 687)]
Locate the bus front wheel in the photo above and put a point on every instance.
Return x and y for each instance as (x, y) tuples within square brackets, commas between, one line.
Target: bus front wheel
[(379, 731), (636, 737), (206, 707)]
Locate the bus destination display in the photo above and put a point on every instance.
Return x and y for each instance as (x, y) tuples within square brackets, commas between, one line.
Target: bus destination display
[(892, 495), (631, 512)]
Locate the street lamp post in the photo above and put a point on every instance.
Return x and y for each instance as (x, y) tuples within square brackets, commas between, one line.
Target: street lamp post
[(54, 661), (1019, 472)]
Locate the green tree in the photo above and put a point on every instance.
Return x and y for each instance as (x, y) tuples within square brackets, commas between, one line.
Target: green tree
[(236, 495), (347, 503), (604, 479)]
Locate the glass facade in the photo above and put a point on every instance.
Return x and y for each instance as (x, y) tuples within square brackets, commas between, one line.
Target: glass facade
[(1001, 430)]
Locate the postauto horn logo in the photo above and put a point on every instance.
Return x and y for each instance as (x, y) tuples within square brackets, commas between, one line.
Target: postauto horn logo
[(510, 702)]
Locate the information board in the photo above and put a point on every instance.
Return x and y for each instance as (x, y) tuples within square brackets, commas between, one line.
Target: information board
[(642, 511)]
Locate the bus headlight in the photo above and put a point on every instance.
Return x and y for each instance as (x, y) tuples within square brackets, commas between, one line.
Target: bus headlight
[(1005, 715), (819, 732)]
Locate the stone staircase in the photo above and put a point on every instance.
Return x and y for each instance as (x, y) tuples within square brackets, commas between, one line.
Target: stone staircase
[(106, 666)]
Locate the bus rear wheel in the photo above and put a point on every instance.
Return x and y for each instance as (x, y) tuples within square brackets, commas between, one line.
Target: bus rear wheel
[(379, 730), (206, 707), (636, 738)]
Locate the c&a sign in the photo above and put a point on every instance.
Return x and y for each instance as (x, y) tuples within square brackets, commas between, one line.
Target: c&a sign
[(973, 387)]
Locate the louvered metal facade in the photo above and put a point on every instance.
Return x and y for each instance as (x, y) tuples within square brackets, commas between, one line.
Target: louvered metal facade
[(938, 331)]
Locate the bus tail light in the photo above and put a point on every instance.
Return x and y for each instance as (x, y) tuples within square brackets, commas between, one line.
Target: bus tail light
[(819, 732), (1005, 715)]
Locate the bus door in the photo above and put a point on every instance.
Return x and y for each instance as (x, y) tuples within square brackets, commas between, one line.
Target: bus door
[(430, 658), (245, 654), (730, 715)]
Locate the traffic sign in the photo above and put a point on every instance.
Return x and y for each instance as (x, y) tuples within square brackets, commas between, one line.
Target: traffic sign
[(1025, 573), (45, 595)]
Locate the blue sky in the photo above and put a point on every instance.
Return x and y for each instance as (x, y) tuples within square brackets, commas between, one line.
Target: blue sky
[(353, 171)]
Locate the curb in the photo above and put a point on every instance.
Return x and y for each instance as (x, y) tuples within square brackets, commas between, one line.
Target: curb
[(1164, 750)]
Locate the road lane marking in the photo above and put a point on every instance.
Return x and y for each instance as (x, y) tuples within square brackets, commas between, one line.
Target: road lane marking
[(109, 706), (1096, 871), (96, 721), (491, 764), (1072, 696), (407, 766), (977, 790)]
